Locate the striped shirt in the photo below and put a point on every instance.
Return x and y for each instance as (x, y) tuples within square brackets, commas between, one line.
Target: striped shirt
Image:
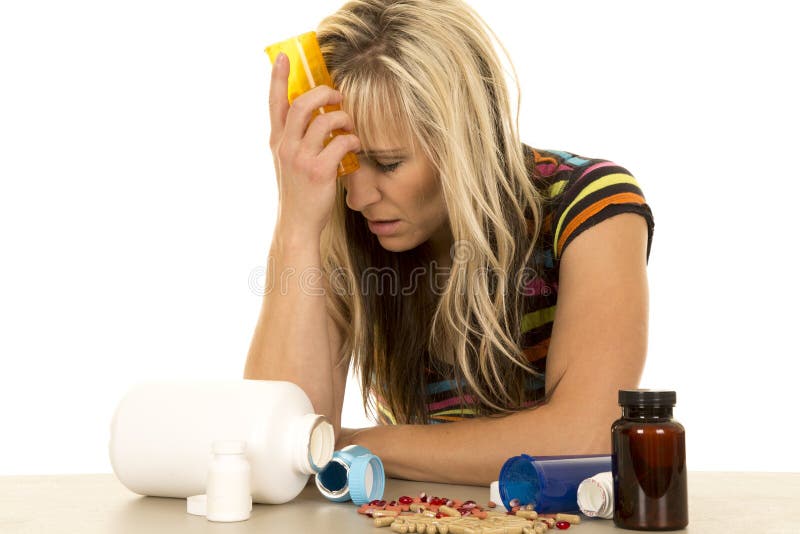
[(578, 193)]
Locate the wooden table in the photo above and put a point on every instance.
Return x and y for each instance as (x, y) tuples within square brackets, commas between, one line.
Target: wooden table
[(90, 504)]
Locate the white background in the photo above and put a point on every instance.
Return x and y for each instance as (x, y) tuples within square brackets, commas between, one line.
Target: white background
[(138, 196)]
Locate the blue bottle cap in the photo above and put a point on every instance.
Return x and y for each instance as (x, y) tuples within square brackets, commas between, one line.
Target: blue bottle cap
[(366, 479)]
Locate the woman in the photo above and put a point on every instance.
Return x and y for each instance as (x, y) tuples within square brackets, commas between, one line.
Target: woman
[(448, 312)]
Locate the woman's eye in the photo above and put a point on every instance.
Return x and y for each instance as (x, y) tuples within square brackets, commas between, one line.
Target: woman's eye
[(387, 168)]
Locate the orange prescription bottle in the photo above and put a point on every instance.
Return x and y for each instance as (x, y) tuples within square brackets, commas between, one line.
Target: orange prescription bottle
[(307, 70)]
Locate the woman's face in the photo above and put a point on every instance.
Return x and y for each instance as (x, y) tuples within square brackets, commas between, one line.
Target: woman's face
[(394, 184)]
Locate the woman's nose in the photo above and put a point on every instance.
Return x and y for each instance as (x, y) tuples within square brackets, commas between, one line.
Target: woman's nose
[(361, 190)]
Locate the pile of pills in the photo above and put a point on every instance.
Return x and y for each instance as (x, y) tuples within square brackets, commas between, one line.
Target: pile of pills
[(437, 515)]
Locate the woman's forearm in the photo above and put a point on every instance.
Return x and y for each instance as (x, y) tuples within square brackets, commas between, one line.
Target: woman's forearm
[(473, 451), (291, 337)]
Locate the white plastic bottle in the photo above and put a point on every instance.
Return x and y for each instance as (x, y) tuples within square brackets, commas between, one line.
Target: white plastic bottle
[(162, 433)]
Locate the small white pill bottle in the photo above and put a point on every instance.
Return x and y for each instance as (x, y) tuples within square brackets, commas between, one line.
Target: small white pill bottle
[(162, 433), (228, 484)]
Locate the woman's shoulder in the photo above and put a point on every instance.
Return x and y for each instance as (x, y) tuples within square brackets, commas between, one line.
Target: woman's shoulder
[(579, 192)]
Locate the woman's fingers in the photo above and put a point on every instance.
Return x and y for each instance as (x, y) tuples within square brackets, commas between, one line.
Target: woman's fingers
[(278, 99), (339, 146), (299, 114), (319, 132)]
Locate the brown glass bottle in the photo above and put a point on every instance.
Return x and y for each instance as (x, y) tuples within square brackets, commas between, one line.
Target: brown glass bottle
[(649, 463)]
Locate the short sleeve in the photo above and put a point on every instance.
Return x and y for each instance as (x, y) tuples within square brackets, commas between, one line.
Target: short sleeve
[(595, 191)]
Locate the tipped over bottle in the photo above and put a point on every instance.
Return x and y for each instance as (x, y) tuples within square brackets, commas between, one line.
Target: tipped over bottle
[(162, 435)]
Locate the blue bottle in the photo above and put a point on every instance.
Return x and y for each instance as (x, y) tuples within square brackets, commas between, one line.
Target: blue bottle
[(549, 483)]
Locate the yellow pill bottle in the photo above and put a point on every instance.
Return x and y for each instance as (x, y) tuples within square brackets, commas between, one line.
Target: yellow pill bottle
[(307, 70)]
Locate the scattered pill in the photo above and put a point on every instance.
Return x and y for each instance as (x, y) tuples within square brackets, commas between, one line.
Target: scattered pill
[(549, 520), (384, 513), (569, 518), (383, 521), (441, 515), (446, 510)]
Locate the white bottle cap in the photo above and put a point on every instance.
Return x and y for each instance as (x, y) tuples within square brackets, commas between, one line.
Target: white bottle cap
[(596, 496)]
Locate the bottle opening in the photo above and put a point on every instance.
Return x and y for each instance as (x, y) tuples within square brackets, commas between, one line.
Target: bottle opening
[(314, 443), (332, 480), (320, 446), (519, 480)]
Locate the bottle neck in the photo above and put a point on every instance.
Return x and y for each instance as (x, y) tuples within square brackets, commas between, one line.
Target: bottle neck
[(648, 413), (312, 443)]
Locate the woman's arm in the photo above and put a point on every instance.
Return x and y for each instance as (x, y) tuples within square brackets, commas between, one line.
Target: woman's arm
[(295, 339), (598, 346)]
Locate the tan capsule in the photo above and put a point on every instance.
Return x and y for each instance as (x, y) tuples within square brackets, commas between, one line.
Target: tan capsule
[(402, 528), (549, 520), (431, 529), (527, 514), (383, 521), (443, 528), (417, 507), (384, 513), (540, 529), (521, 521), (528, 530), (428, 513), (452, 512), (569, 518)]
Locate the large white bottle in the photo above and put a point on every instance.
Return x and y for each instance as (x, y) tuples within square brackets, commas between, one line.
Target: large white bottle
[(162, 433)]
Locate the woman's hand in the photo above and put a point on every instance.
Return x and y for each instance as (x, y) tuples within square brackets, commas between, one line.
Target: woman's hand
[(305, 167)]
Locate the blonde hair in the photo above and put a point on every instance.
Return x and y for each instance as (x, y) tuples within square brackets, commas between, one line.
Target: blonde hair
[(427, 71)]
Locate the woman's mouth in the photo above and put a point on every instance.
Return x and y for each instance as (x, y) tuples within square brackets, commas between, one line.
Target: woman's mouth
[(383, 227)]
